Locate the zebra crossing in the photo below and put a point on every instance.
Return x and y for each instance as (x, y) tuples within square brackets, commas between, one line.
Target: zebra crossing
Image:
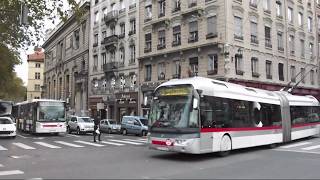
[(9, 172), (33, 145), (312, 147)]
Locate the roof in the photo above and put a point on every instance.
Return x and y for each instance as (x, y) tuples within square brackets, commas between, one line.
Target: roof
[(36, 57), (235, 91)]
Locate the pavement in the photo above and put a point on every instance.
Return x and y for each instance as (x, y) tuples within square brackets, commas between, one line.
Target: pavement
[(117, 156)]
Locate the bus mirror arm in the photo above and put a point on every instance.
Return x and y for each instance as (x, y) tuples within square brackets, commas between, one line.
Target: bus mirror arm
[(195, 103)]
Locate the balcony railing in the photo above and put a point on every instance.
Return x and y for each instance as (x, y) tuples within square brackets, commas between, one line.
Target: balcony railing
[(111, 67), (111, 40), (111, 16)]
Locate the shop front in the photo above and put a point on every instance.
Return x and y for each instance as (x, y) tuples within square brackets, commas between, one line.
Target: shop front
[(126, 104)]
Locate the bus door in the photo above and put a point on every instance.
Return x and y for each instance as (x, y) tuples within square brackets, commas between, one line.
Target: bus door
[(34, 116), (286, 118)]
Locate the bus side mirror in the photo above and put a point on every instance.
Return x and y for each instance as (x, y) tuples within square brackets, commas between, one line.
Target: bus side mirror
[(195, 103)]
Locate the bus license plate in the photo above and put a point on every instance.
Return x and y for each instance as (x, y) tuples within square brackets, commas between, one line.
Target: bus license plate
[(163, 148)]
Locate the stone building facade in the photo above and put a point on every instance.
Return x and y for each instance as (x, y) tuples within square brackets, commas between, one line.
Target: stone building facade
[(67, 62), (35, 74), (258, 43), (113, 74)]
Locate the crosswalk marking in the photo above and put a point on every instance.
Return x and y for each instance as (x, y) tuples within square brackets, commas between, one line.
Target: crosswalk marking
[(126, 142), (13, 172), (72, 135), (3, 148), (89, 143), (23, 146), (311, 147), (68, 144), (296, 145), (136, 140), (112, 143), (47, 145)]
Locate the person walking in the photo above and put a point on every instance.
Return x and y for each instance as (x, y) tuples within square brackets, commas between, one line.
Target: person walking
[(96, 130)]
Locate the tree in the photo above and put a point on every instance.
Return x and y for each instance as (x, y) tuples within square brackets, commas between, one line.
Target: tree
[(16, 34)]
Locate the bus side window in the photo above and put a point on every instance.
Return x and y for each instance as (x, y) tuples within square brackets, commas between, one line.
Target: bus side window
[(206, 112), (240, 112)]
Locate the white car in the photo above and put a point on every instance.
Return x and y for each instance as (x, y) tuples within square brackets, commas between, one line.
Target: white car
[(80, 124), (7, 127)]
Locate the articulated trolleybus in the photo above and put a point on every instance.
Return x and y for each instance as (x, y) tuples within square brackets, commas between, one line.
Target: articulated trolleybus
[(41, 116), (200, 115)]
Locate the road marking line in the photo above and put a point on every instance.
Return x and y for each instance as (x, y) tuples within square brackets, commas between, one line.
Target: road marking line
[(311, 147), (136, 140), (47, 145), (23, 146), (108, 136), (3, 148), (22, 136), (13, 172), (68, 144), (296, 145), (126, 142), (89, 143), (288, 150), (72, 135), (112, 143)]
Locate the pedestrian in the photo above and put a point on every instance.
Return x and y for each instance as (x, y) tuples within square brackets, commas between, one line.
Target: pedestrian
[(96, 130)]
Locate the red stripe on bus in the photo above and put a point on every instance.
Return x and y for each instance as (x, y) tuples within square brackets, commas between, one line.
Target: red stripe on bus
[(240, 129), (306, 124), (49, 125), (162, 143)]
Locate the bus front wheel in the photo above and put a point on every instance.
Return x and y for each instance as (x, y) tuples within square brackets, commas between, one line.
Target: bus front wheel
[(225, 146)]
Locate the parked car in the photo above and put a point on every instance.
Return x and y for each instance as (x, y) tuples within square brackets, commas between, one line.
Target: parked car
[(79, 124), (134, 125), (109, 126), (7, 127)]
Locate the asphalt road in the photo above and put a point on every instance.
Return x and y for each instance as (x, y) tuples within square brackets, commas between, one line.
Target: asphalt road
[(71, 156)]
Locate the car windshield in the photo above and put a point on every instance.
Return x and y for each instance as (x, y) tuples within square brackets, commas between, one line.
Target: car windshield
[(51, 111), (84, 119), (5, 108), (172, 108), (112, 122), (144, 121), (5, 121)]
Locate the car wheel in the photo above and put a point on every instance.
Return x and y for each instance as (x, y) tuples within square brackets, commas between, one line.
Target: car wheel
[(78, 131), (13, 137), (124, 132), (109, 131), (68, 130), (225, 146)]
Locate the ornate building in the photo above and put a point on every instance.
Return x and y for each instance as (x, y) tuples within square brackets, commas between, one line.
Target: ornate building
[(35, 74)]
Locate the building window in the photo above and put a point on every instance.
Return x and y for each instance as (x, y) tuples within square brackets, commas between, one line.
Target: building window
[(280, 41), (122, 55), (193, 66), (148, 72), (212, 64), (267, 5), (291, 44), (293, 73), (104, 34), (300, 19), (280, 71), (161, 39), (96, 39), (238, 34), (132, 27), (148, 13), (290, 15), (311, 51), (192, 3), (148, 43), (303, 73), (112, 30), (254, 33), (302, 47), (176, 69), (105, 11), (122, 30), (104, 58), (176, 5), (95, 63), (37, 75), (162, 8), (161, 71), (76, 37), (239, 64), (254, 67), (112, 56), (279, 8), (269, 69), (212, 27), (96, 17), (267, 34), (37, 87), (133, 80), (132, 54), (122, 6), (38, 65), (310, 24), (253, 3), (312, 77), (193, 31), (176, 35)]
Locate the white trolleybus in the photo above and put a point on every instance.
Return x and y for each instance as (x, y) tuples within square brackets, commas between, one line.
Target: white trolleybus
[(200, 115), (41, 116)]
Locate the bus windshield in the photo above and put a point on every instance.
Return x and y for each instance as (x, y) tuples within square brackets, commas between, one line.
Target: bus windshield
[(51, 111), (172, 108), (5, 108)]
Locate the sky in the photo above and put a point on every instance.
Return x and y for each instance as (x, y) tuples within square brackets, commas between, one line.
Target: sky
[(22, 69)]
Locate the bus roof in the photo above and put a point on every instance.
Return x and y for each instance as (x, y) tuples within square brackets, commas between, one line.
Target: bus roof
[(39, 100), (223, 89)]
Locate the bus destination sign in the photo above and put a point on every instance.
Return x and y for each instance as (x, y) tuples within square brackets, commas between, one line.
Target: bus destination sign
[(177, 91)]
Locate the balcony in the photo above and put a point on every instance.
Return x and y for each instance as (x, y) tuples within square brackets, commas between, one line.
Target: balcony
[(162, 14), (194, 10), (254, 39), (122, 35), (176, 43), (255, 74), (111, 67), (132, 6), (122, 10), (132, 32), (211, 35), (111, 41), (238, 37), (147, 49), (269, 76), (193, 38), (176, 9), (111, 17), (280, 49), (161, 46)]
